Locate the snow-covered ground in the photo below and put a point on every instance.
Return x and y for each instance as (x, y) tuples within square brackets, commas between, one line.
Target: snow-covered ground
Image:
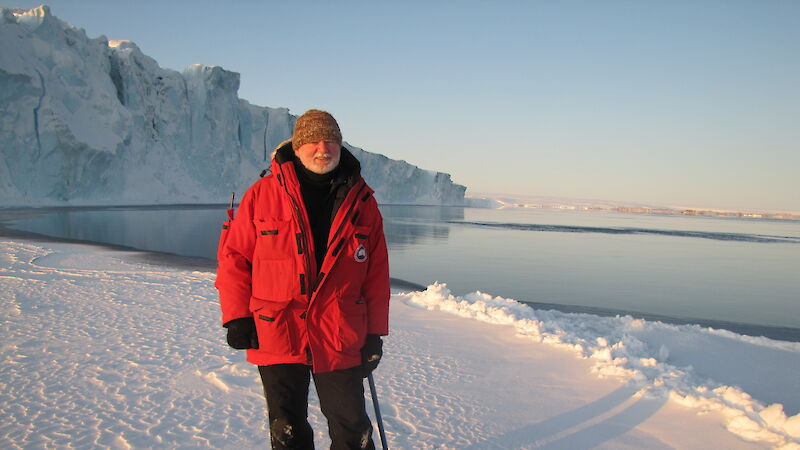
[(103, 350)]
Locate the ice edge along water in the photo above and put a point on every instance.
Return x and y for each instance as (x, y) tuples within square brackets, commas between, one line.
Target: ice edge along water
[(97, 122), (618, 347)]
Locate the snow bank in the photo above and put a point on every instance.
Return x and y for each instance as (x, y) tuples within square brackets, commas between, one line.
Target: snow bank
[(689, 364), (102, 349)]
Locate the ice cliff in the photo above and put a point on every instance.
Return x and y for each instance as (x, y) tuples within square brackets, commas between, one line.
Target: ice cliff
[(93, 121)]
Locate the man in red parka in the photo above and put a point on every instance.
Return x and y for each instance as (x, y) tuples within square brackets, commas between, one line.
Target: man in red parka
[(303, 280)]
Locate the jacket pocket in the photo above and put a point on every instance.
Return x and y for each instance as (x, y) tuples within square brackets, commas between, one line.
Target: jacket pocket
[(274, 271), (275, 279), (274, 333), (352, 325), (274, 239)]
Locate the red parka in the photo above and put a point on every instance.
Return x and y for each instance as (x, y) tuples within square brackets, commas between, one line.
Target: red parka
[(267, 269)]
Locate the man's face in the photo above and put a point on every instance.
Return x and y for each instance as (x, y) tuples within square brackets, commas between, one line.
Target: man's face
[(320, 157)]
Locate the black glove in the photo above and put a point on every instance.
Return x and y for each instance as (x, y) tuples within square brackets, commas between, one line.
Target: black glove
[(371, 353), (242, 333)]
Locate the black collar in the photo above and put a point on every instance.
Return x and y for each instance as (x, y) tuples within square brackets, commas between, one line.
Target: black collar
[(347, 172)]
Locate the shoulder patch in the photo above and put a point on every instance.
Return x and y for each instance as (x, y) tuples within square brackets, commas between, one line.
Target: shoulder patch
[(360, 255)]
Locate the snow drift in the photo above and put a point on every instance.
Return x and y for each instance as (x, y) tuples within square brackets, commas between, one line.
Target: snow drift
[(102, 349), (703, 368), (93, 121)]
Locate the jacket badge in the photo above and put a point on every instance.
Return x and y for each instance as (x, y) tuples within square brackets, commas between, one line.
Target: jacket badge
[(361, 254)]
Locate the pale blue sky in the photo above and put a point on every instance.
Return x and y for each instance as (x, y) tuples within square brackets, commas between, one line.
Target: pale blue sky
[(675, 103)]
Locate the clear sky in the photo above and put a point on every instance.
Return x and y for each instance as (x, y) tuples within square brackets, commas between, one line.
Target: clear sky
[(676, 103)]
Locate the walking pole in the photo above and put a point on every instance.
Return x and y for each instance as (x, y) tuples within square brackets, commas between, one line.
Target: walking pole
[(377, 410)]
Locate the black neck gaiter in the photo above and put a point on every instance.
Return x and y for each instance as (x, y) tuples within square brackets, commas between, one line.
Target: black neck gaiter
[(319, 194)]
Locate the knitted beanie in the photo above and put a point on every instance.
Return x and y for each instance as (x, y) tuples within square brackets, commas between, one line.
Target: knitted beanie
[(315, 126)]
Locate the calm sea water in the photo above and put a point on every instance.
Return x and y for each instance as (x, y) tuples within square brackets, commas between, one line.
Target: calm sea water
[(676, 268)]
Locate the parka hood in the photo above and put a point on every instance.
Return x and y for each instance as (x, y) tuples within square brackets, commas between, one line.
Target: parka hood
[(349, 168)]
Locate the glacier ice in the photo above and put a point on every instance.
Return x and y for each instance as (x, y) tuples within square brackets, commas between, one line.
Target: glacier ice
[(90, 121)]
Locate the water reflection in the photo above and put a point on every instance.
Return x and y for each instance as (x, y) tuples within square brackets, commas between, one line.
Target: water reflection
[(414, 225), (194, 230), (655, 273), (189, 231)]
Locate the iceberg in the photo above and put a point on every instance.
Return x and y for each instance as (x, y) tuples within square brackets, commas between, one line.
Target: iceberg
[(88, 121)]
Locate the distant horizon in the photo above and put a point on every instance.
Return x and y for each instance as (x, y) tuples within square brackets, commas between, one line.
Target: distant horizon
[(618, 203), (681, 103)]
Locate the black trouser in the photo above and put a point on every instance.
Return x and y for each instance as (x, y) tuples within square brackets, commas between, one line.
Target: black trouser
[(341, 398)]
